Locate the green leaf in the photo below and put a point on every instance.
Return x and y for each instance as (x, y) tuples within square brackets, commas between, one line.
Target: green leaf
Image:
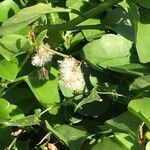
[(119, 20), (140, 107), (76, 40), (147, 146), (13, 45), (108, 49), (140, 83), (132, 69), (8, 69), (91, 98), (9, 111), (41, 36), (27, 16), (120, 141), (8, 9), (4, 109), (114, 62), (26, 121), (94, 33), (144, 3), (134, 15), (143, 43), (107, 144), (127, 141), (23, 98), (143, 32), (74, 5), (125, 122), (15, 112), (73, 137), (83, 6), (52, 36), (46, 91)]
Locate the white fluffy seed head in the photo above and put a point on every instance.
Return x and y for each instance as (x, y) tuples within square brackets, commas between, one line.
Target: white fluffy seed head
[(71, 75), (41, 57)]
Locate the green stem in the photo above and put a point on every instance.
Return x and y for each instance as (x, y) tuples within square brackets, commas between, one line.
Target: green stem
[(91, 13), (111, 93), (46, 137), (55, 52), (60, 54), (12, 144), (48, 109)]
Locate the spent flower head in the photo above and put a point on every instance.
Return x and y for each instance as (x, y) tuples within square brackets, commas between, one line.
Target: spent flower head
[(71, 74), (41, 57), (43, 74)]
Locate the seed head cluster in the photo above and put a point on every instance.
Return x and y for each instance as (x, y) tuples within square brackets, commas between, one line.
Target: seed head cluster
[(41, 57), (71, 75)]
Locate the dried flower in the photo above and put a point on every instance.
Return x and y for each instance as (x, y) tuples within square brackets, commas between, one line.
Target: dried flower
[(71, 75), (43, 74), (18, 132), (41, 57)]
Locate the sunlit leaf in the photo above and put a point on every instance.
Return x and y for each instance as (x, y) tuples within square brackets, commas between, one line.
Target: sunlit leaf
[(8, 69), (126, 122), (46, 91), (148, 146), (27, 16), (141, 82), (9, 111), (127, 141), (108, 143), (26, 121), (140, 107), (13, 45), (109, 51), (4, 109), (143, 33), (73, 137), (8, 9)]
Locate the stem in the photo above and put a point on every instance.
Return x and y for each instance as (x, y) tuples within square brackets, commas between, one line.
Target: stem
[(46, 137), (47, 110), (12, 144), (111, 93), (55, 52), (60, 54), (91, 13)]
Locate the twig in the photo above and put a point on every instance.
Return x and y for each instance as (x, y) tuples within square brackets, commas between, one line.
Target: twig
[(11, 144)]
